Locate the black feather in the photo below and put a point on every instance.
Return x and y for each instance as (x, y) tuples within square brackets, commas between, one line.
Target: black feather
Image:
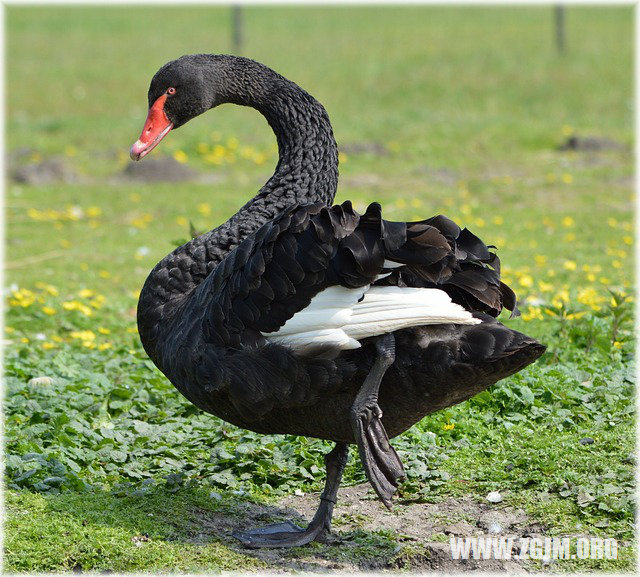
[(205, 307)]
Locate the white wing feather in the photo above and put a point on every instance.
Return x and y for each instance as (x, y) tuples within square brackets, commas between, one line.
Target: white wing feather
[(340, 317)]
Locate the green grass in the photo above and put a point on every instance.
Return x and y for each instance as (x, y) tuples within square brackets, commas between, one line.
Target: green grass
[(471, 106)]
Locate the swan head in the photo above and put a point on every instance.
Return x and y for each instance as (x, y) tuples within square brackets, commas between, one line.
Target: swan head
[(181, 90)]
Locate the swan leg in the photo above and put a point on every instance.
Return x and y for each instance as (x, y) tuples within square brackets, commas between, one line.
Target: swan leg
[(379, 459), (288, 534)]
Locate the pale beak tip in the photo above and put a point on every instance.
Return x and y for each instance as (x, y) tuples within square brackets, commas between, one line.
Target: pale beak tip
[(135, 152)]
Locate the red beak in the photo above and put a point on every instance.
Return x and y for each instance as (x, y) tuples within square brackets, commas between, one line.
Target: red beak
[(156, 127)]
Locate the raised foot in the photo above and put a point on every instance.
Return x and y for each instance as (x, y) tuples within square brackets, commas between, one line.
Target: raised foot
[(381, 463), (278, 535), (379, 459)]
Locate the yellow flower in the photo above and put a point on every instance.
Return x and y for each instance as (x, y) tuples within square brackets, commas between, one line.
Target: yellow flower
[(617, 344), (77, 306), (182, 221), (104, 274), (142, 221), (181, 156), (49, 311), (342, 157), (532, 313), (570, 265), (135, 197), (415, 202), (97, 302), (569, 237), (85, 293), (103, 331), (567, 178), (540, 259), (48, 346), (64, 243), (498, 220), (204, 208), (545, 287), (104, 346), (589, 296), (526, 280), (24, 340), (567, 130), (568, 222), (260, 158), (560, 298), (22, 298), (449, 426), (612, 222), (84, 335), (9, 329), (94, 211), (35, 214), (480, 222), (627, 239)]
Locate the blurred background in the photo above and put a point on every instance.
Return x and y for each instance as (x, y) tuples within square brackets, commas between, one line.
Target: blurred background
[(516, 122), (461, 110)]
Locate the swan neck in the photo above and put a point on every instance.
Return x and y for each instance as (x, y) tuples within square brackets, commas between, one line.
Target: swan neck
[(307, 172)]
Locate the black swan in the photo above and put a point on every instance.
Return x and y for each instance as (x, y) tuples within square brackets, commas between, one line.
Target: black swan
[(303, 318)]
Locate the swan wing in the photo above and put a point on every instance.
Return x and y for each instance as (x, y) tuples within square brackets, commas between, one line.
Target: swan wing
[(308, 274)]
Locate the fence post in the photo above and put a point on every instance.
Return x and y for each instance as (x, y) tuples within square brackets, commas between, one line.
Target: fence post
[(237, 33)]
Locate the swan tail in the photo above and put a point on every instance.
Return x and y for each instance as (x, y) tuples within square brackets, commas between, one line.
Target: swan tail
[(436, 252)]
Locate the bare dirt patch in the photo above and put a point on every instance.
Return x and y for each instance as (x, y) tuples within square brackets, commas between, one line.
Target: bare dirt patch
[(164, 169), (366, 536), (47, 171), (590, 143)]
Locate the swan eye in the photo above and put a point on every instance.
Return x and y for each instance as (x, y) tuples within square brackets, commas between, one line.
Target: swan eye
[(171, 90)]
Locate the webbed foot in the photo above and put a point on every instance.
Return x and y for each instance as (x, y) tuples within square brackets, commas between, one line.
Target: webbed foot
[(288, 534), (276, 535), (381, 463)]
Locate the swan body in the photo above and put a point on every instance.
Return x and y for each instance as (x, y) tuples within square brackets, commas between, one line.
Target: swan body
[(302, 317)]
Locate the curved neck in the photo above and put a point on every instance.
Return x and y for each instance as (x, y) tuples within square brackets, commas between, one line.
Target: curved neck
[(307, 169), (307, 172)]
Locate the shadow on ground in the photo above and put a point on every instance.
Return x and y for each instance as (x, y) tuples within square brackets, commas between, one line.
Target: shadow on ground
[(195, 523)]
